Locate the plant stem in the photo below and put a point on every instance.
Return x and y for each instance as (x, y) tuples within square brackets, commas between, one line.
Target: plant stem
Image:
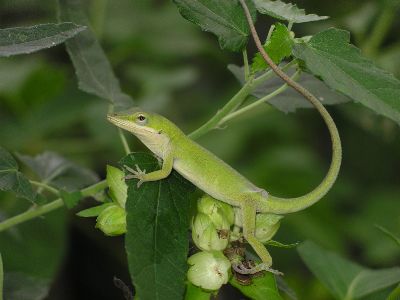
[(270, 31), (282, 205), (98, 10), (45, 187), (229, 107), (380, 30), (235, 102), (261, 79), (260, 101), (124, 141), (44, 209), (120, 133), (246, 65)]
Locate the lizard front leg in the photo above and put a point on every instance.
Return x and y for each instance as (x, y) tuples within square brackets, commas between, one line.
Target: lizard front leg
[(152, 176)]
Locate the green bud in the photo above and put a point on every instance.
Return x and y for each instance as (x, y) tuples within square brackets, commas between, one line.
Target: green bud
[(266, 226), (208, 270), (112, 220), (206, 236), (116, 182), (221, 214)]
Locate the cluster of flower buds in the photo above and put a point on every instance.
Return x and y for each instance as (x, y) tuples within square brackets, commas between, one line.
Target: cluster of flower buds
[(214, 227), (211, 225)]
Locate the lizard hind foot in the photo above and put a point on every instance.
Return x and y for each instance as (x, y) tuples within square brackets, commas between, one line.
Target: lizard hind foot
[(246, 269)]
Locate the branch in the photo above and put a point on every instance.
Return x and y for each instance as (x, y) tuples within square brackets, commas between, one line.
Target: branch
[(282, 205), (44, 209)]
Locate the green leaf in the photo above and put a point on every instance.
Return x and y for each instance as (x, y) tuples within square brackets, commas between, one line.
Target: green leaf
[(1, 278), (278, 47), (157, 232), (23, 40), (116, 183), (225, 19), (60, 172), (71, 199), (93, 211), (329, 56), (285, 11), (290, 100), (195, 293), (19, 286), (262, 288), (13, 180), (94, 72), (281, 245), (345, 279)]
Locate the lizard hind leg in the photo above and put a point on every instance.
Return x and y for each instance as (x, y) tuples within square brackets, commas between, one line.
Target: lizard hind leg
[(248, 211)]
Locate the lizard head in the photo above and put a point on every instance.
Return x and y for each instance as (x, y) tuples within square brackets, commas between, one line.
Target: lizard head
[(144, 125)]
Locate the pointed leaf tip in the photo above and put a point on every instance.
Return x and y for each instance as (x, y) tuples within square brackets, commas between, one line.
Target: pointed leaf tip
[(286, 11)]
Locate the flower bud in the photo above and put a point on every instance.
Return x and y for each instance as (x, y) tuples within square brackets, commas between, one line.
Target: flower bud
[(112, 220), (206, 236), (208, 270), (266, 226), (116, 183), (221, 214)]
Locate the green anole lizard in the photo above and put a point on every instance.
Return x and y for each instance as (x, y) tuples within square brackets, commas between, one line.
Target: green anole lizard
[(214, 176)]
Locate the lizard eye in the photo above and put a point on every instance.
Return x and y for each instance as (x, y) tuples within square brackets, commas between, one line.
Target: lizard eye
[(141, 119)]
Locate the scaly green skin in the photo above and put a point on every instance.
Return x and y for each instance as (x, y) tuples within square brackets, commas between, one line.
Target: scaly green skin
[(214, 176)]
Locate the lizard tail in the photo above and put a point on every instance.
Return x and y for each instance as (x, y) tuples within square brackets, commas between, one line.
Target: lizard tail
[(287, 205)]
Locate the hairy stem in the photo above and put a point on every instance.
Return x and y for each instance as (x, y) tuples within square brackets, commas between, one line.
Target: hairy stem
[(282, 205), (44, 209)]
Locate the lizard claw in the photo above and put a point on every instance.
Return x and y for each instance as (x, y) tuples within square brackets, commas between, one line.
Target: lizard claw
[(139, 183)]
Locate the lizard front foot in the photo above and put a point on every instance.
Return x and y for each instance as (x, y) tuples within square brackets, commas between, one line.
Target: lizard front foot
[(245, 269), (138, 174)]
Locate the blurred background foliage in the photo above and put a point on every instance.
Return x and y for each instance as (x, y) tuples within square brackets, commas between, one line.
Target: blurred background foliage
[(171, 67)]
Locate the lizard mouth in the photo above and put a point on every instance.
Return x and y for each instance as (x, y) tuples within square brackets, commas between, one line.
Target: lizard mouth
[(129, 125)]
